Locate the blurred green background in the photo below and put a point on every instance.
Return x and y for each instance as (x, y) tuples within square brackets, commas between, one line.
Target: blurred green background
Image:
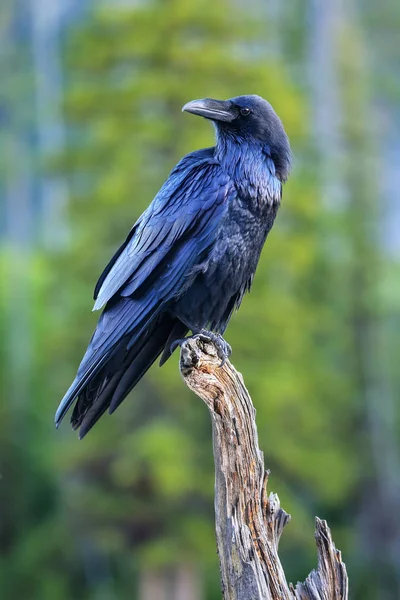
[(90, 100)]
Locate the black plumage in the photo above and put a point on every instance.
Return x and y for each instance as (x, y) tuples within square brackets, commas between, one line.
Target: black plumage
[(190, 257)]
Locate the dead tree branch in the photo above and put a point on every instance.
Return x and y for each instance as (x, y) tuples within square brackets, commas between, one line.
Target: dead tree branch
[(249, 522)]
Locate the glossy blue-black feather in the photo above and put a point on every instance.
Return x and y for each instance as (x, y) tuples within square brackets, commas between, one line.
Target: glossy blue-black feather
[(158, 260), (183, 218), (189, 259)]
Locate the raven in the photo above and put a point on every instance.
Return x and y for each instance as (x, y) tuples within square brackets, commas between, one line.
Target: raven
[(189, 258)]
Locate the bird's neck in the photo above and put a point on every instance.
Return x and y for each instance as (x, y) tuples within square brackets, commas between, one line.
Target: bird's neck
[(251, 168)]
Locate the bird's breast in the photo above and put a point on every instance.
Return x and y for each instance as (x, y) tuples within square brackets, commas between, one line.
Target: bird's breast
[(241, 238), (226, 274)]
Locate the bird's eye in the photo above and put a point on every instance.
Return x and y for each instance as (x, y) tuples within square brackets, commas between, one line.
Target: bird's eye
[(245, 111)]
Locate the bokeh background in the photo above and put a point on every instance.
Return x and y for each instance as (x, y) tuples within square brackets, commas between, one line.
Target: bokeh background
[(90, 101)]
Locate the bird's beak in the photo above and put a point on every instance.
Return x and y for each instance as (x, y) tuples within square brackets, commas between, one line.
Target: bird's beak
[(216, 110)]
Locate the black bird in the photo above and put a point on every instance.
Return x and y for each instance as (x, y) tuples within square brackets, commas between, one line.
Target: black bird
[(189, 258)]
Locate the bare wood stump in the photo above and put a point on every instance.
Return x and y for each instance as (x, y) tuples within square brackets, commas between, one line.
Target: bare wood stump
[(249, 523)]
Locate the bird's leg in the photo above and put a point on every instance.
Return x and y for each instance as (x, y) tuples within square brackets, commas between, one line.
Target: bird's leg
[(223, 348)]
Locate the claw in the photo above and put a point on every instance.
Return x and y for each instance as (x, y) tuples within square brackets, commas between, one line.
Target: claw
[(223, 348), (175, 344)]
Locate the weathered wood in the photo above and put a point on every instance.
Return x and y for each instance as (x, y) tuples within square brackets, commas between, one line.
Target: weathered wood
[(249, 523)]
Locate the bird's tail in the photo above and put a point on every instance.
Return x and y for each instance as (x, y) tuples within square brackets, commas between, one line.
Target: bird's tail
[(106, 384)]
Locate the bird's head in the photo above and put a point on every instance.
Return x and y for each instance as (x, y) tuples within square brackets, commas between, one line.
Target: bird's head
[(247, 119)]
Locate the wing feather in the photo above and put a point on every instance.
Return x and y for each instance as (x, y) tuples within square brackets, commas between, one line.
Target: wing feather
[(156, 263), (180, 212)]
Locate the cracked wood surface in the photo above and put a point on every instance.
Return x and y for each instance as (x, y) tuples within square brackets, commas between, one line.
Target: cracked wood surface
[(248, 521)]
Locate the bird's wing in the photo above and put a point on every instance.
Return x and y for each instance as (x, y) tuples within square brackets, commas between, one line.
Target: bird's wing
[(156, 263), (190, 160), (179, 223), (173, 236)]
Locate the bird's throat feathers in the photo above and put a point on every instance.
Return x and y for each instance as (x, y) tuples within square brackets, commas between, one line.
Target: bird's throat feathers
[(251, 167)]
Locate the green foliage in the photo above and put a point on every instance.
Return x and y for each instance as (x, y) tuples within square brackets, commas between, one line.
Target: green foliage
[(127, 85), (137, 493)]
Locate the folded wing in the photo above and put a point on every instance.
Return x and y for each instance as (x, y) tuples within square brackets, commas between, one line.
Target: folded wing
[(155, 265)]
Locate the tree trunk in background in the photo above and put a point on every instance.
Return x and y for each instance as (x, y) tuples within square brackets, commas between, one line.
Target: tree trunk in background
[(379, 538), (46, 17), (18, 239), (17, 164), (325, 21), (349, 174)]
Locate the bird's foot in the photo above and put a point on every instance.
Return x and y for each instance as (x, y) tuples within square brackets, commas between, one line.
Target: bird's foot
[(223, 348)]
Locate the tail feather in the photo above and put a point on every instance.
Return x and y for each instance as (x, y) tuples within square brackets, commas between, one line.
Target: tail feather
[(117, 373), (100, 388), (143, 361), (97, 408), (179, 331), (76, 387)]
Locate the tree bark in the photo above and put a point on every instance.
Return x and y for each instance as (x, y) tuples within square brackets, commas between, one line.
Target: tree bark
[(249, 523)]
